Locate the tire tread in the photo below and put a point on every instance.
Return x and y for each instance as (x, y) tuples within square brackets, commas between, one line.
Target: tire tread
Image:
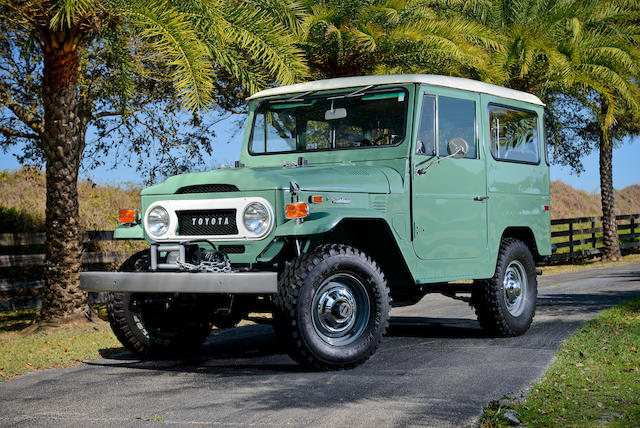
[(289, 285), (487, 295)]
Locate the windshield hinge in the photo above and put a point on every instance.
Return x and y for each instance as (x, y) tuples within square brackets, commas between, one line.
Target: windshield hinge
[(295, 191)]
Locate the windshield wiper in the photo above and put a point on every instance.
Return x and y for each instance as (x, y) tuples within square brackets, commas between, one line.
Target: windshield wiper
[(356, 93), (296, 98)]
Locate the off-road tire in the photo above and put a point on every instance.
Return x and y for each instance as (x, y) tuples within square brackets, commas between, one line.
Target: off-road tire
[(489, 297), (300, 284), (187, 329)]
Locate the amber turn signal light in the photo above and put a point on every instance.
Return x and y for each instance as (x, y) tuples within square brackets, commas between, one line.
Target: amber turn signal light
[(316, 199), (297, 210), (126, 216)]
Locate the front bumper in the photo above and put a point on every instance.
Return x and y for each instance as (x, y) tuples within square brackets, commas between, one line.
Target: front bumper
[(181, 282)]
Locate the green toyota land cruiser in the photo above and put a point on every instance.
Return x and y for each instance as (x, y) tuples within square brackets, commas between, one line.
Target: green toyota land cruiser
[(351, 196)]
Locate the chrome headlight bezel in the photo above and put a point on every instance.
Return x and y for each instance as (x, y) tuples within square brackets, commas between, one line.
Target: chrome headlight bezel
[(157, 221), (256, 218)]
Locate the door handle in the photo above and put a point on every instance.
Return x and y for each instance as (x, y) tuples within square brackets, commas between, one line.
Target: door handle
[(480, 198)]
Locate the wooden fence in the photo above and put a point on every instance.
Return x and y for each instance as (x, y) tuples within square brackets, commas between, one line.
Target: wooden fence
[(21, 254), (571, 239), (574, 238)]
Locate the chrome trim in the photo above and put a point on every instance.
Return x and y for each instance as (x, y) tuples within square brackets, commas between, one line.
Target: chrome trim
[(515, 288), (181, 282), (239, 204)]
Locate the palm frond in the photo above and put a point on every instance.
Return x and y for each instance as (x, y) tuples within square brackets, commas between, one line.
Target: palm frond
[(68, 12), (174, 39)]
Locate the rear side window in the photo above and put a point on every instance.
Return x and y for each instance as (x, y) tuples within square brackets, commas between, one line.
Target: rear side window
[(513, 134)]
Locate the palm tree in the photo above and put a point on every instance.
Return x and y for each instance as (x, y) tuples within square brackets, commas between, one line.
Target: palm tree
[(193, 38), (584, 47), (608, 54), (348, 38)]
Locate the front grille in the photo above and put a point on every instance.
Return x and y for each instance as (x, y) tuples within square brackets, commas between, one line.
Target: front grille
[(208, 188), (207, 222), (231, 249)]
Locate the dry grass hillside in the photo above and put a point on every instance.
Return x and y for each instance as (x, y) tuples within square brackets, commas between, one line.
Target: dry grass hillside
[(22, 202), (567, 202)]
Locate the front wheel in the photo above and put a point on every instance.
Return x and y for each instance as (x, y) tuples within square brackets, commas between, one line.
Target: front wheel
[(159, 324), (332, 309), (506, 304)]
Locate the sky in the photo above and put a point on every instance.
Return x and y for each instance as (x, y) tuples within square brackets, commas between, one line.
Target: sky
[(626, 163)]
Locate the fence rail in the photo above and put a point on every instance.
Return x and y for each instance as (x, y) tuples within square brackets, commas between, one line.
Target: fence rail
[(574, 238), (571, 238), (17, 253)]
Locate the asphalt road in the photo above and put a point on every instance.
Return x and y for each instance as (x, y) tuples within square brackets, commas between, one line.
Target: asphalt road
[(434, 368)]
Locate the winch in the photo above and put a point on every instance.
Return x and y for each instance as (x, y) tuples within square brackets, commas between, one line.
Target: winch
[(188, 257)]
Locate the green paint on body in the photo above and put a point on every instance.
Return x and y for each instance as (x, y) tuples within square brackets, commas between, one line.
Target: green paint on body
[(447, 223)]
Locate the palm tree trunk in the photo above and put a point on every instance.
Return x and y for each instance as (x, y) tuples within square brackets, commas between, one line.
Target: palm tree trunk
[(63, 143), (611, 249)]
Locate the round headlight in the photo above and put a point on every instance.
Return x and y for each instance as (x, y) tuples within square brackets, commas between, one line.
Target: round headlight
[(256, 218), (158, 221)]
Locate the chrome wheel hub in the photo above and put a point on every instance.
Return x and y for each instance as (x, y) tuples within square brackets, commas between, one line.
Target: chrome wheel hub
[(340, 309), (515, 287)]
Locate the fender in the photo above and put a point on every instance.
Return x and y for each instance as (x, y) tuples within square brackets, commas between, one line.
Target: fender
[(128, 232), (324, 221)]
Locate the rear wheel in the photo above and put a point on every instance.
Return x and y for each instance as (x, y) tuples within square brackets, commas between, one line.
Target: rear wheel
[(159, 324), (506, 303), (332, 308)]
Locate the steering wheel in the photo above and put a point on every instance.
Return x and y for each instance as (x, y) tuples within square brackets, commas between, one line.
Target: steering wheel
[(393, 136)]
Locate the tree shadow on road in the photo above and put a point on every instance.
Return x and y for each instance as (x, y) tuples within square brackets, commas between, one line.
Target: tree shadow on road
[(254, 349), (567, 304), (435, 327)]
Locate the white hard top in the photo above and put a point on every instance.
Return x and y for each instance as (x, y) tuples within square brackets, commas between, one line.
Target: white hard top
[(428, 79)]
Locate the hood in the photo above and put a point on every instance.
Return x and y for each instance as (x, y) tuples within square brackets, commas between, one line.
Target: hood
[(335, 178)]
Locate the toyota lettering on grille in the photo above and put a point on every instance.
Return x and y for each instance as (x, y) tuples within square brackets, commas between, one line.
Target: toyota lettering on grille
[(213, 221), (207, 222)]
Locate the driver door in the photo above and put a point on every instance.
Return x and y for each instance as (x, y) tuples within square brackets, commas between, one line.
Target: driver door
[(449, 200)]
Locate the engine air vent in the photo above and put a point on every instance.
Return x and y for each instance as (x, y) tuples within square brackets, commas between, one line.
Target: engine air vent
[(208, 188), (379, 205), (232, 249)]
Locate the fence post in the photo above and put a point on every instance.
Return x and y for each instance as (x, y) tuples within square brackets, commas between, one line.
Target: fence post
[(593, 234), (572, 257), (633, 228)]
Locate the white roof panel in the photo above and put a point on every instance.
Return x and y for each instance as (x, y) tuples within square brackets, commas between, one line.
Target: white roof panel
[(428, 79)]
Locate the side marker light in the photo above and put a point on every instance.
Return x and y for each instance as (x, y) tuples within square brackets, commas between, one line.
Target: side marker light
[(297, 210), (127, 216)]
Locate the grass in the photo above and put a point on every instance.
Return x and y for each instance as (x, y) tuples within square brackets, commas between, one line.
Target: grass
[(595, 380), (54, 348), (64, 346), (23, 199), (12, 321), (582, 264)]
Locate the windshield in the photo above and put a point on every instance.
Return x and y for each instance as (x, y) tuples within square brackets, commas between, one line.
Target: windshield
[(330, 122)]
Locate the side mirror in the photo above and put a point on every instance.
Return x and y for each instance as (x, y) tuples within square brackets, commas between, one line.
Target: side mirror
[(338, 113), (457, 147)]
